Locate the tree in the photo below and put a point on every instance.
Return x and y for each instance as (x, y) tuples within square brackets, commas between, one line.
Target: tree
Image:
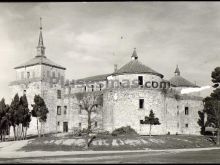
[(4, 119), (39, 111), (216, 77), (151, 120), (13, 112), (88, 102), (201, 122), (25, 115), (212, 109), (212, 104)]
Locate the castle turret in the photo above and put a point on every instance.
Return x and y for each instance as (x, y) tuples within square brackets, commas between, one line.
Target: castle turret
[(177, 71), (134, 55), (179, 81)]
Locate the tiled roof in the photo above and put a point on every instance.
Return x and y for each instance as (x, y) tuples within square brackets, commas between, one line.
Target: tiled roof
[(95, 78), (135, 66), (179, 81), (40, 59)]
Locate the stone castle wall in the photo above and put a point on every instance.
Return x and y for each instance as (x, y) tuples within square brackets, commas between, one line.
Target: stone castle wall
[(121, 108)]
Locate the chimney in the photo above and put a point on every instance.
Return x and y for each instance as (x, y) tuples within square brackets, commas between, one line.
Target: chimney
[(115, 67)]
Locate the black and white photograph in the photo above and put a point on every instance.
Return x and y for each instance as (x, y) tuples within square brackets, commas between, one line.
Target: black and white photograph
[(110, 82)]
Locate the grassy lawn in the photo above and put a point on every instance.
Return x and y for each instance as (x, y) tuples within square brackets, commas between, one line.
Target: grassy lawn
[(122, 142)]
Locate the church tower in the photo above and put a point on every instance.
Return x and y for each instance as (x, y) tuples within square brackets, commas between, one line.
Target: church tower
[(41, 76)]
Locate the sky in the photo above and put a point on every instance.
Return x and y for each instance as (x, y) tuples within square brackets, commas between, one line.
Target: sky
[(89, 38)]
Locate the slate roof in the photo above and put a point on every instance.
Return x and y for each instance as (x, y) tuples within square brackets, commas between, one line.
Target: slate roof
[(40, 59), (179, 81), (136, 67)]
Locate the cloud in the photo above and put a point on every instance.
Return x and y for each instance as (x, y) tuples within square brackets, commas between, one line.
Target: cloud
[(86, 37)]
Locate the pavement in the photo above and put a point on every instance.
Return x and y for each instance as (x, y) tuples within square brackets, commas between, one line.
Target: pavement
[(24, 154), (194, 155)]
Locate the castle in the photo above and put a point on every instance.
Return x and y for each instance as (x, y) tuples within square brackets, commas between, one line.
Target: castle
[(122, 106)]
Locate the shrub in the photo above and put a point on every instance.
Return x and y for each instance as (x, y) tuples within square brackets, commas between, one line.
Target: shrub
[(124, 131)]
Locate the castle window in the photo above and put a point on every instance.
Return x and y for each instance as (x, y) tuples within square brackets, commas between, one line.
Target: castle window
[(186, 110), (96, 124), (65, 110), (186, 125), (80, 124), (84, 88), (141, 103), (28, 75), (92, 87), (59, 94), (58, 123), (100, 87), (140, 80), (58, 110), (178, 113)]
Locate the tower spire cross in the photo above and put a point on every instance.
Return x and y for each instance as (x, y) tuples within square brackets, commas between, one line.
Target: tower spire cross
[(40, 23), (40, 47)]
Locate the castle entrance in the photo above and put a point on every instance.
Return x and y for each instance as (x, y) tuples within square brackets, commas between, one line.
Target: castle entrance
[(65, 126)]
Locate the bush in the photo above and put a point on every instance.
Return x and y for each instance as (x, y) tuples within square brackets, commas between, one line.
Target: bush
[(124, 131)]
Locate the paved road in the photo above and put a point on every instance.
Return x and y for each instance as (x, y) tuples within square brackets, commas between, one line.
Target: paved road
[(205, 156)]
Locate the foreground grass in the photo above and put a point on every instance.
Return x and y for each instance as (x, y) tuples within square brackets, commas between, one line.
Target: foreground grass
[(108, 142)]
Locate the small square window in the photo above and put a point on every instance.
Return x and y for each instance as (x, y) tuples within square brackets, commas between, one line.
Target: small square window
[(28, 75), (100, 87), (58, 110), (59, 94), (186, 110), (141, 103)]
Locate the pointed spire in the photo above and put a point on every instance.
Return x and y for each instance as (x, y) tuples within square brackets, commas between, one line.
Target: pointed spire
[(134, 55), (177, 71), (40, 47)]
